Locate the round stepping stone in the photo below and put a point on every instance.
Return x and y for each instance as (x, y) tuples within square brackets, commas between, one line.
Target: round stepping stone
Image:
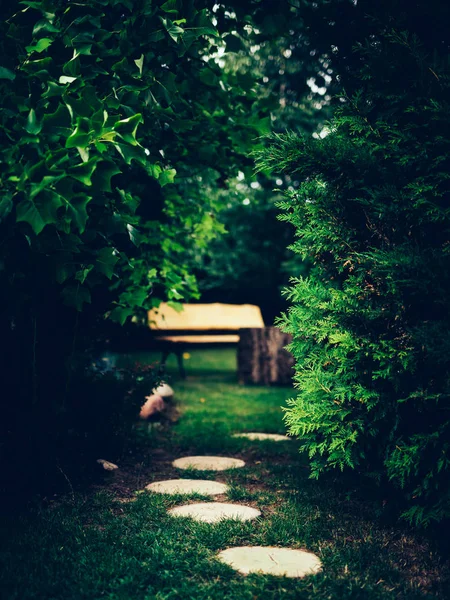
[(188, 486), (274, 437), (269, 560), (213, 512), (208, 463)]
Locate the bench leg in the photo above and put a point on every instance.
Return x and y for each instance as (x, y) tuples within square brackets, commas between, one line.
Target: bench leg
[(180, 364), (179, 355)]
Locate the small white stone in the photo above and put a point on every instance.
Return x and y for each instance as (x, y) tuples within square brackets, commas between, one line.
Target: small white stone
[(270, 560), (274, 437), (164, 390), (208, 463), (108, 466), (213, 512), (188, 486)]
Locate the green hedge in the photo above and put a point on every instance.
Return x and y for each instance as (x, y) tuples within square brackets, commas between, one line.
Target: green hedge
[(371, 322)]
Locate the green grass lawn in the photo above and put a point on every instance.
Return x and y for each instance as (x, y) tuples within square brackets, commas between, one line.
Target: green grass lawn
[(98, 545)]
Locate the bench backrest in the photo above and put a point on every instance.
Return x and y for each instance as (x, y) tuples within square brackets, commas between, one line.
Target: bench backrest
[(212, 317)]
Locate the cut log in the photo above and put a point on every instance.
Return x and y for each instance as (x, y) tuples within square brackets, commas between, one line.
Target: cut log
[(262, 358)]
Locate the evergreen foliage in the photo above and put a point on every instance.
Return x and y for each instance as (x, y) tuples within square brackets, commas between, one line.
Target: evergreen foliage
[(371, 320)]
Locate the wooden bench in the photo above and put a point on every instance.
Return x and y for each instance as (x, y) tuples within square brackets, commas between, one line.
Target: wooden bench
[(215, 323)]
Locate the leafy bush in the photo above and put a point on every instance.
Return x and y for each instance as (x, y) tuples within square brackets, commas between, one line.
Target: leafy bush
[(371, 321), (113, 122), (47, 448)]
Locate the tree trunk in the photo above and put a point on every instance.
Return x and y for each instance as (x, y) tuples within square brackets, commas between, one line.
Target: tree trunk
[(262, 358)]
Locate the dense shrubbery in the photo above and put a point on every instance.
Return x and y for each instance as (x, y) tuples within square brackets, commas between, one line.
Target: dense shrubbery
[(57, 446), (371, 321), (114, 122)]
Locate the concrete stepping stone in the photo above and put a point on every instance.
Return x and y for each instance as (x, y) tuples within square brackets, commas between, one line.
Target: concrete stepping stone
[(188, 486), (208, 463), (213, 512), (274, 437), (269, 560)]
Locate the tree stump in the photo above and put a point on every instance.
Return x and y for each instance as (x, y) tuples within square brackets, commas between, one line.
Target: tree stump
[(262, 358)]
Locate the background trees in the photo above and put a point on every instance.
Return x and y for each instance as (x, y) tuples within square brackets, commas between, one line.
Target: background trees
[(370, 321)]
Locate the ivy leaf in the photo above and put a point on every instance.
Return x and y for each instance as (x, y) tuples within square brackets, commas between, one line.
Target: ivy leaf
[(45, 184), (173, 30), (40, 46), (32, 125), (6, 206), (6, 74), (76, 295), (80, 137), (167, 176), (177, 306), (76, 209), (120, 314), (203, 25), (171, 6), (106, 261), (134, 234), (66, 79), (83, 172), (136, 297), (127, 128), (82, 274), (101, 179), (44, 25), (40, 211), (129, 153), (140, 64)]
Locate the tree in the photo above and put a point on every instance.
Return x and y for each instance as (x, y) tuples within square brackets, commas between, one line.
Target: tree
[(270, 46), (114, 123), (370, 321)]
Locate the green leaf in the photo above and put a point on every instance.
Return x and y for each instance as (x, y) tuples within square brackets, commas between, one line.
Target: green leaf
[(83, 172), (6, 206), (40, 46), (171, 6), (177, 306), (136, 298), (140, 63), (76, 209), (106, 261), (41, 211), (121, 314), (6, 74), (153, 170), (101, 179), (135, 235), (44, 25), (75, 295), (67, 79), (32, 125), (45, 184), (129, 153), (127, 128), (208, 77), (203, 24), (82, 274), (58, 121), (80, 137), (167, 176), (173, 30)]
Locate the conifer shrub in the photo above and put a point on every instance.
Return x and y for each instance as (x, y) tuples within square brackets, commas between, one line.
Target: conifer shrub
[(371, 321)]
